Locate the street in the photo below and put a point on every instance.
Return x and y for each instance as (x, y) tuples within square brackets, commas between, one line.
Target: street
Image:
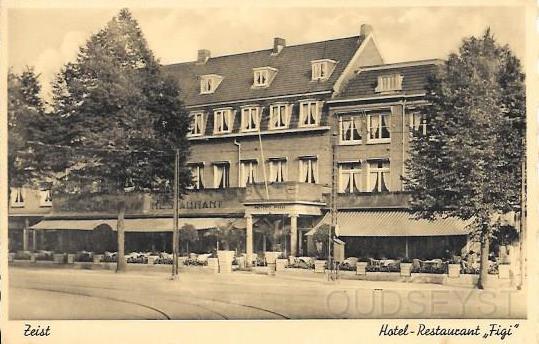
[(56, 294)]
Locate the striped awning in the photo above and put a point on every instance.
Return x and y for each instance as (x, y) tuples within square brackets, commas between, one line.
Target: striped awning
[(390, 223), (141, 225)]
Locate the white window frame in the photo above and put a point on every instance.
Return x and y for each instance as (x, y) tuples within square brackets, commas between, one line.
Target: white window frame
[(379, 171), (226, 175), (284, 112), (309, 105), (196, 117), (355, 120), (350, 173), (308, 169), (219, 115), (18, 197), (45, 198), (248, 168), (380, 127), (197, 174), (422, 122), (322, 69), (266, 73), (389, 83), (246, 115), (209, 83), (282, 165)]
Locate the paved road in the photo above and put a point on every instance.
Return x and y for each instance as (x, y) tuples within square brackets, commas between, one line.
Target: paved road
[(89, 294)]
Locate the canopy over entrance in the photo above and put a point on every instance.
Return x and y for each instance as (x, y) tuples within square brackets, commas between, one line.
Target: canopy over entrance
[(391, 223)]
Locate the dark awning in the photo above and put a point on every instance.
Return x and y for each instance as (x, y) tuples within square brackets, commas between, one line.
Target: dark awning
[(389, 223), (142, 225)]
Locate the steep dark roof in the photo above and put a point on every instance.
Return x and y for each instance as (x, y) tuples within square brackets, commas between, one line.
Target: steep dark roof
[(414, 74), (293, 77)]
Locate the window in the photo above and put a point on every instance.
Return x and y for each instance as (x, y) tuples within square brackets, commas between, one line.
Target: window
[(378, 176), (248, 172), (209, 83), (418, 123), (17, 197), (309, 113), (263, 76), (308, 170), (278, 170), (389, 83), (322, 69), (197, 176), (349, 177), (379, 128), (279, 116), (221, 175), (350, 129), (250, 119), (197, 124), (45, 199), (222, 121)]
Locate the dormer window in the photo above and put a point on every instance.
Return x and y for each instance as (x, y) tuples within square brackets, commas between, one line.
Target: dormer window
[(263, 76), (45, 199), (17, 197), (209, 83), (389, 83), (322, 69)]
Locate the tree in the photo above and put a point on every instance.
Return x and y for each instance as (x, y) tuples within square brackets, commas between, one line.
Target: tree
[(188, 234), (27, 122), (469, 163), (121, 118)]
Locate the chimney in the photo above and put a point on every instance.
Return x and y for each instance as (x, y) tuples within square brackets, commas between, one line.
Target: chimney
[(203, 56), (365, 30), (278, 45)]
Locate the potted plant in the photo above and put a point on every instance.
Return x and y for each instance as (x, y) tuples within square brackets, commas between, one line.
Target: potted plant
[(504, 269), (213, 263), (453, 268), (281, 263), (361, 266), (271, 261), (320, 265), (406, 267)]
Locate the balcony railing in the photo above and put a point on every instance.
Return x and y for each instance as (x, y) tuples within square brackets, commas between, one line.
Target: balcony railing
[(373, 200), (288, 191)]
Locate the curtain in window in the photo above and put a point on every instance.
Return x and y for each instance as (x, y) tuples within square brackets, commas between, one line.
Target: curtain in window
[(283, 172), (386, 122), (373, 181), (383, 178), (253, 118), (356, 135), (344, 182), (356, 182), (219, 176), (312, 113), (226, 119), (375, 127), (346, 130), (200, 177)]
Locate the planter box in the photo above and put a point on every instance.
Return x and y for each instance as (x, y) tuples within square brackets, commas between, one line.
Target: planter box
[(59, 258), (271, 257), (503, 271), (181, 261), (319, 266), (213, 265), (361, 268), (225, 259), (453, 270), (281, 264), (97, 258), (70, 259), (241, 262), (32, 258), (11, 257), (291, 260), (152, 259), (406, 269)]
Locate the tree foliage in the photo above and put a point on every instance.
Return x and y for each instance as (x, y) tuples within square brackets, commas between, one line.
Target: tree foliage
[(469, 164), (122, 117), (27, 122)]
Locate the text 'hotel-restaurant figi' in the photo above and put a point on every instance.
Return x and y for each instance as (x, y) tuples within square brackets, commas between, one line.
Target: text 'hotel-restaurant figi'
[(263, 128)]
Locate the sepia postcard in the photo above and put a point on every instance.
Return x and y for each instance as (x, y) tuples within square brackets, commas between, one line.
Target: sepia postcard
[(359, 172)]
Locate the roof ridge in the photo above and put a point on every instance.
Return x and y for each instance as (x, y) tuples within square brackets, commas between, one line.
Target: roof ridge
[(261, 50)]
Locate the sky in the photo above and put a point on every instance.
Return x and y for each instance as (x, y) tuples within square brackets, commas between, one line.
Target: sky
[(48, 38)]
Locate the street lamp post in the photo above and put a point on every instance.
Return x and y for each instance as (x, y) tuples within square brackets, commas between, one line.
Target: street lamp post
[(175, 233)]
